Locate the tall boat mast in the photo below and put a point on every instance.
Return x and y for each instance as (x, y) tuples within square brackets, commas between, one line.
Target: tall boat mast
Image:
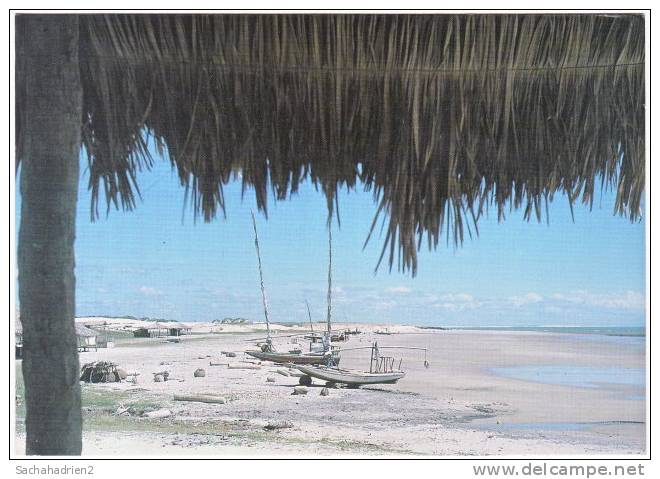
[(329, 278), (261, 277)]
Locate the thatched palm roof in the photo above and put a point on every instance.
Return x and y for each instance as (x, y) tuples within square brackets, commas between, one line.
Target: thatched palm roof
[(84, 331), (162, 325), (438, 115), (174, 325)]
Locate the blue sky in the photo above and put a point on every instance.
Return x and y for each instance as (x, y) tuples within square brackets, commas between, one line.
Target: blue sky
[(157, 261)]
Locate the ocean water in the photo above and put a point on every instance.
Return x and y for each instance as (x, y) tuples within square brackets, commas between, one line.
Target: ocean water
[(578, 376), (624, 331)]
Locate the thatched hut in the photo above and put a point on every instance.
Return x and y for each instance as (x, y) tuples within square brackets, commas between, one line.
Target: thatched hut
[(18, 337), (177, 329), (101, 328), (159, 329), (86, 338), (441, 116), (154, 329)]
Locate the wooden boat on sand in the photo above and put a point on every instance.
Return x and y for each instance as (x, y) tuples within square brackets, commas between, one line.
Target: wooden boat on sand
[(382, 370), (349, 376), (295, 358)]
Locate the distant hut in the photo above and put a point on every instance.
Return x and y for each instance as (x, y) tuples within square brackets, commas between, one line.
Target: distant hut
[(161, 329), (103, 339), (152, 330), (18, 332), (177, 329), (86, 338), (141, 333)]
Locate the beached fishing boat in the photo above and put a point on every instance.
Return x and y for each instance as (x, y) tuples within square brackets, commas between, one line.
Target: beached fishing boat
[(290, 357), (382, 370), (325, 354), (349, 376)]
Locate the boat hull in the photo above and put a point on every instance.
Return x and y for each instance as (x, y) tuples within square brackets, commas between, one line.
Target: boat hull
[(285, 358), (353, 378)]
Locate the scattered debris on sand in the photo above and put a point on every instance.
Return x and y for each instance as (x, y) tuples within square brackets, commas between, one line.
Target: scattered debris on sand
[(158, 414), (161, 376), (275, 425), (299, 390)]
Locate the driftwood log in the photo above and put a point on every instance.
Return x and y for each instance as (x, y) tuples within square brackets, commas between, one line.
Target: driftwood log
[(206, 398)]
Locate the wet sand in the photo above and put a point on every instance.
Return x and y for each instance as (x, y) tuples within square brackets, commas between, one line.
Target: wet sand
[(459, 405)]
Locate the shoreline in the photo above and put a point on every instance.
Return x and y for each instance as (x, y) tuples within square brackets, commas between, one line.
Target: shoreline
[(457, 407)]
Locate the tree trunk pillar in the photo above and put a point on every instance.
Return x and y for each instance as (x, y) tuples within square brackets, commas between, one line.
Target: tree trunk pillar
[(48, 45)]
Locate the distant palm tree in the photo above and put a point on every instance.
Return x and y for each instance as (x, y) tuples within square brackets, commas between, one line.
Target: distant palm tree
[(439, 115)]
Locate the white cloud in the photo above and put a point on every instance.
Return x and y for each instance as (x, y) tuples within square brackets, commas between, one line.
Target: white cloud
[(522, 300), (553, 309), (622, 300), (385, 305), (398, 290), (457, 302), (457, 297), (450, 306), (149, 291)]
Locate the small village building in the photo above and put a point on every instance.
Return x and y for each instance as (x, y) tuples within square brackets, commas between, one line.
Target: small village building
[(161, 329), (177, 329), (86, 338), (18, 334), (100, 326), (104, 341), (150, 331)]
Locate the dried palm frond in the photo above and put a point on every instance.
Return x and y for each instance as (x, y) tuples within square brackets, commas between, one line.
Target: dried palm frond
[(438, 115)]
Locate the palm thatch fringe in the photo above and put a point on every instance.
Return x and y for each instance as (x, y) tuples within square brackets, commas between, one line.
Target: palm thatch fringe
[(438, 115)]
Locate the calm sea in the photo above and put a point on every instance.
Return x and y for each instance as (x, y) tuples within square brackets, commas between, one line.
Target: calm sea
[(599, 330)]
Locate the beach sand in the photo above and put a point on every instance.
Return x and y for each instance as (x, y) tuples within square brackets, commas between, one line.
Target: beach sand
[(459, 405)]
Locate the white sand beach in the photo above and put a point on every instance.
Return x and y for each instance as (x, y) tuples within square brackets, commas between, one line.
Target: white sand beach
[(461, 405)]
